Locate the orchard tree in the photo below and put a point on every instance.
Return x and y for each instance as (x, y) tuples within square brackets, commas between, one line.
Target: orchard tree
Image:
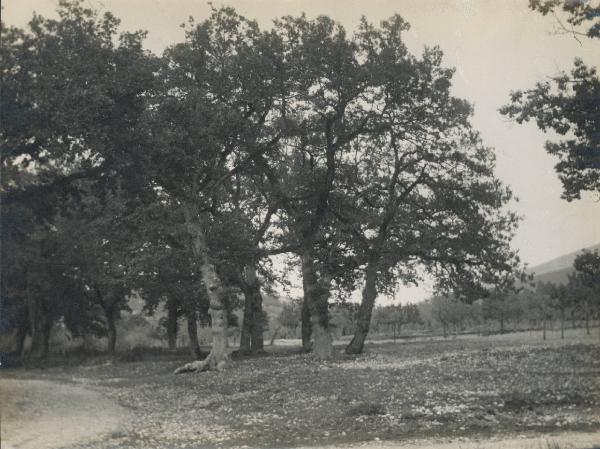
[(568, 104), (560, 299), (585, 284), (541, 304)]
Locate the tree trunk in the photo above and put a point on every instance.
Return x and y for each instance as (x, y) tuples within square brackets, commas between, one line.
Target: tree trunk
[(219, 355), (20, 336), (306, 327), (317, 296), (172, 327), (247, 323), (21, 332), (274, 336), (112, 331), (258, 328), (365, 311), (562, 324), (587, 319), (544, 328), (192, 328), (252, 338), (41, 326), (40, 340)]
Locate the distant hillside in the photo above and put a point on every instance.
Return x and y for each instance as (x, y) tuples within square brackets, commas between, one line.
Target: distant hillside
[(557, 270)]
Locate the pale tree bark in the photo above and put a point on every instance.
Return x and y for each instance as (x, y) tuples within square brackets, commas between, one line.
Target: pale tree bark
[(257, 343), (317, 296), (219, 354), (246, 334)]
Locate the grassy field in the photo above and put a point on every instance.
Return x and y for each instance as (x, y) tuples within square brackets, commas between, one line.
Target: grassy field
[(466, 387)]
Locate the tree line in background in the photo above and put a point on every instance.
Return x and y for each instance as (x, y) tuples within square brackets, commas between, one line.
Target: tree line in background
[(536, 306), (180, 176)]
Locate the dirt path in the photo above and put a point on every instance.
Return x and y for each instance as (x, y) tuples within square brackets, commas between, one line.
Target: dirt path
[(39, 414), (564, 440)]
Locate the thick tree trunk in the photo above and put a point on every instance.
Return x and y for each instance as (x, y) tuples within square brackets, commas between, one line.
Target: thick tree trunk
[(369, 294), (252, 338), (192, 328), (317, 296), (306, 327), (20, 336), (172, 326), (112, 331), (46, 333), (219, 355), (41, 326), (21, 332), (247, 323), (40, 340), (257, 330)]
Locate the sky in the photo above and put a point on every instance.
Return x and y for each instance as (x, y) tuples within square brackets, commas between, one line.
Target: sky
[(495, 46)]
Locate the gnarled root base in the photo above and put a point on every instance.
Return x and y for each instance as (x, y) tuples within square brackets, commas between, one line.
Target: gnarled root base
[(209, 363)]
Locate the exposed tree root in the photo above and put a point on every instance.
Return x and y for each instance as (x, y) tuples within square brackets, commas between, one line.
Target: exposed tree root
[(209, 363)]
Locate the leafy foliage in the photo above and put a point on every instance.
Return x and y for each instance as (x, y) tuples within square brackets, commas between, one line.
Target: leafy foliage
[(568, 104)]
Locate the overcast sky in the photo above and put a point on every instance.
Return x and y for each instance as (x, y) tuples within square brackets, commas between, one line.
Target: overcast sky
[(495, 46)]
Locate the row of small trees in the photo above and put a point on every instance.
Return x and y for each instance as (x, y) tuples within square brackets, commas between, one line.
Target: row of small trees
[(529, 307)]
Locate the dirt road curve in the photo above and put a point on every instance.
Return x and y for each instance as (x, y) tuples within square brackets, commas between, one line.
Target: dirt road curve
[(566, 440), (39, 414)]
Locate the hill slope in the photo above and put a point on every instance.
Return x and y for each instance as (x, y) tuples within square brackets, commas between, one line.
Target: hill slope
[(557, 270)]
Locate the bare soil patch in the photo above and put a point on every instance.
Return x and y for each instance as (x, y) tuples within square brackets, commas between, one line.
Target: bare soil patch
[(39, 414)]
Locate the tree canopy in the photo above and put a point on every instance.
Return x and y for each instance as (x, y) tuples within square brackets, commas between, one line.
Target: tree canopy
[(568, 104)]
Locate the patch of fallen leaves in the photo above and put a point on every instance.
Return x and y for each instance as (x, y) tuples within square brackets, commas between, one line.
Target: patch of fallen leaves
[(410, 390)]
